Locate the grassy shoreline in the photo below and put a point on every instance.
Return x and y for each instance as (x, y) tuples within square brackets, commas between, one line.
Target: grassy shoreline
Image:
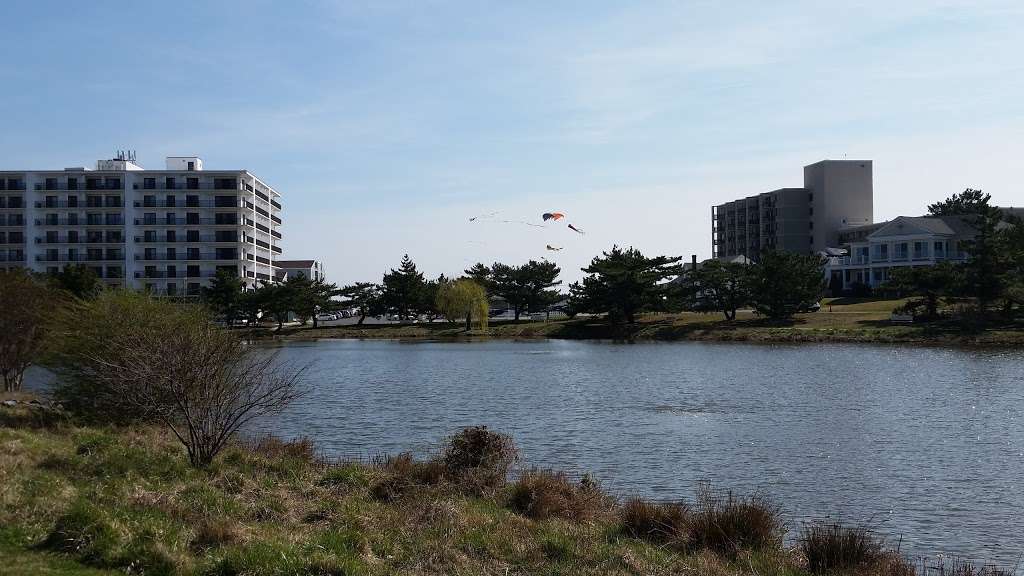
[(839, 320), (86, 501)]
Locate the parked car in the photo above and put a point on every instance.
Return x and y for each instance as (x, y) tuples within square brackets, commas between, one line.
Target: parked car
[(324, 317)]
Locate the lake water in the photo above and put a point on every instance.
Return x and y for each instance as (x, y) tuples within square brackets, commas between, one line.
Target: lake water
[(926, 444)]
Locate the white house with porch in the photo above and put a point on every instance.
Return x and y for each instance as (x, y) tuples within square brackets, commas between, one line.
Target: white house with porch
[(873, 251)]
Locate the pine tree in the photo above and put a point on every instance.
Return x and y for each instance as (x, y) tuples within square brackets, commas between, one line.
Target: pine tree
[(403, 289)]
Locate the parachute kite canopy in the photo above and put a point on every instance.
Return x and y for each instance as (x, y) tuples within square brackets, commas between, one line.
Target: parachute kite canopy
[(552, 216)]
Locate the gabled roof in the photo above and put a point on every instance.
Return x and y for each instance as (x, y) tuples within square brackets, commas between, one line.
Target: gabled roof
[(910, 225)]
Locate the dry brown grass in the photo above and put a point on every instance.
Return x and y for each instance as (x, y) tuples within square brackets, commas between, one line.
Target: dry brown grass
[(543, 494)]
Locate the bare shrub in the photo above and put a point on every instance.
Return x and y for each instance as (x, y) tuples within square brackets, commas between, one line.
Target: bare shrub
[(542, 494), (658, 522), (726, 523), (127, 356), (25, 312), (479, 459)]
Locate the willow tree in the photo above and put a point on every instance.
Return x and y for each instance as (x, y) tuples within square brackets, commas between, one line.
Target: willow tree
[(463, 299)]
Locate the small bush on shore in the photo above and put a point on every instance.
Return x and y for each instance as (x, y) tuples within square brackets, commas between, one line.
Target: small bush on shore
[(727, 523), (831, 547), (542, 494), (479, 459), (658, 522)]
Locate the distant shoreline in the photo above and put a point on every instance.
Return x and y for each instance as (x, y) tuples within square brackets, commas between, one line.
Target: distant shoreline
[(806, 328)]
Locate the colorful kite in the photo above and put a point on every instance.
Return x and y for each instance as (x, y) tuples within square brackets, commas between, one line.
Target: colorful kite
[(552, 216), (575, 229)]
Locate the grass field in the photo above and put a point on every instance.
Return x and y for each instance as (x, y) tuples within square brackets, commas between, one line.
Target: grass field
[(839, 320)]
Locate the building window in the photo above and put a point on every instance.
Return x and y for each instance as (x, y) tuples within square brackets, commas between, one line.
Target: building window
[(72, 183), (192, 183), (149, 183), (51, 183), (169, 183)]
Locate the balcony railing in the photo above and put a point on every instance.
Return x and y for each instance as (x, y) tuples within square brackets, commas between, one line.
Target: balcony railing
[(185, 256), (79, 258), (66, 240), (204, 203), (185, 240), (175, 274), (79, 222), (182, 222)]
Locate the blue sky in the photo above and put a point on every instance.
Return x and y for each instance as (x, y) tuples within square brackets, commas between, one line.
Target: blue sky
[(387, 125)]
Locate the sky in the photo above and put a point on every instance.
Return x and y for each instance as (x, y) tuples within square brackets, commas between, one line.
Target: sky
[(387, 125)]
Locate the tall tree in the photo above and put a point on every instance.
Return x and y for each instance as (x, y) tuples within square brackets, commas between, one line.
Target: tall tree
[(719, 286), (403, 289), (1013, 242), (463, 298), (784, 283), (970, 201), (79, 280), (480, 274), (224, 295), (277, 299), (312, 298), (27, 305), (986, 268), (428, 304), (624, 283), (540, 278), (365, 296), (510, 283)]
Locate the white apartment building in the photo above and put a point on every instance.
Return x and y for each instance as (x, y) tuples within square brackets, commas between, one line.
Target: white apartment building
[(168, 231)]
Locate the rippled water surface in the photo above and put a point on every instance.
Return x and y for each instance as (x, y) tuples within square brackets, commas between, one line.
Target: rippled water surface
[(926, 443)]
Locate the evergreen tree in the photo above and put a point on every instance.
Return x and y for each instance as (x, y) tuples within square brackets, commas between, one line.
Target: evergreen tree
[(985, 272), (720, 286), (481, 275), (624, 283), (365, 296), (784, 283), (224, 295), (970, 201), (403, 289), (929, 283), (541, 277)]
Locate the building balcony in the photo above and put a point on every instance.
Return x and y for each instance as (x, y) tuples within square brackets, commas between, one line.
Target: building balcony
[(79, 258), (187, 240), (183, 222), (184, 203), (175, 274), (186, 256), (66, 240), (80, 222)]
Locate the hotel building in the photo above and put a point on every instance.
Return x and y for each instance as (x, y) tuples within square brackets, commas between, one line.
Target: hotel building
[(167, 231)]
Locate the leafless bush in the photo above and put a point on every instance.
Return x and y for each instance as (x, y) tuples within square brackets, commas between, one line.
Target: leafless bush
[(479, 459), (130, 356)]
